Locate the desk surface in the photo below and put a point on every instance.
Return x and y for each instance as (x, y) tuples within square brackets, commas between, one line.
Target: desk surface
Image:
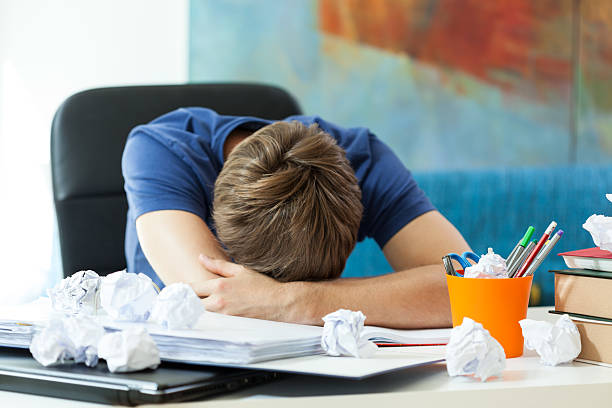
[(525, 381)]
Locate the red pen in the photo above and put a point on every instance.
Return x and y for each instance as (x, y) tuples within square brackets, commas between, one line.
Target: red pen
[(535, 251)]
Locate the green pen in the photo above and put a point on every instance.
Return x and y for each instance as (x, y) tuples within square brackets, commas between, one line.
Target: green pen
[(520, 247)]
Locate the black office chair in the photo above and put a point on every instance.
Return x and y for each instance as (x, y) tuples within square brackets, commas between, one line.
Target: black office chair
[(87, 139)]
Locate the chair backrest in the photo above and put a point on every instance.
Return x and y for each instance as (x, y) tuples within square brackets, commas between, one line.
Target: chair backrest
[(88, 135)]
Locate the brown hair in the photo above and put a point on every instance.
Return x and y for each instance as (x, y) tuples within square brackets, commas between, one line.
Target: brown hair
[(287, 203)]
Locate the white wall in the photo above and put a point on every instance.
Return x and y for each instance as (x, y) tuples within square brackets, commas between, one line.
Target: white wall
[(48, 51)]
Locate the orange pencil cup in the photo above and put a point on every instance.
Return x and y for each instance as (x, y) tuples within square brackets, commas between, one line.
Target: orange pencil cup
[(498, 304)]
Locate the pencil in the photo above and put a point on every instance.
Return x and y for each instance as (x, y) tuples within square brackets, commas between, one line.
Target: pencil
[(543, 254)]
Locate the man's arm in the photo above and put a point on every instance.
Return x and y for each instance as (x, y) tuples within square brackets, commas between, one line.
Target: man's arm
[(414, 297), (172, 240)]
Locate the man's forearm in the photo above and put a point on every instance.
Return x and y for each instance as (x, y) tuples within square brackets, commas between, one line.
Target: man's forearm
[(415, 298)]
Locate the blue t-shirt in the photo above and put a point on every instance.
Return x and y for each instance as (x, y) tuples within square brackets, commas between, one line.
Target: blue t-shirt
[(172, 164)]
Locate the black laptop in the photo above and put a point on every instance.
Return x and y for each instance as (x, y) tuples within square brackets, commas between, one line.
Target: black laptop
[(19, 372)]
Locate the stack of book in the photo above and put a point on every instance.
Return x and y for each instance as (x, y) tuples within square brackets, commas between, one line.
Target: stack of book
[(584, 292)]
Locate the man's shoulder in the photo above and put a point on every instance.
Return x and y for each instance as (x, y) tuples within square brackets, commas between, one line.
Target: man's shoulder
[(186, 134)]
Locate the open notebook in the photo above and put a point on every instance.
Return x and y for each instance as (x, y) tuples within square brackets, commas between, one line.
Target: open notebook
[(217, 338)]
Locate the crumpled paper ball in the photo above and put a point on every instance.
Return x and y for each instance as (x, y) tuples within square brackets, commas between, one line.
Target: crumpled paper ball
[(76, 294), (471, 350), (66, 341), (51, 346), (342, 335), (129, 350), (127, 296), (177, 307), (555, 344), (491, 265), (600, 228)]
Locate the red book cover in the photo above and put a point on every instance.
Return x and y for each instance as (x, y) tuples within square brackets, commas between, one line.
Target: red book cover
[(595, 252)]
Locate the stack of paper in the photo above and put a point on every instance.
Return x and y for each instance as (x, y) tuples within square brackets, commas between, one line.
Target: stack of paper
[(13, 334), (17, 322), (216, 338)]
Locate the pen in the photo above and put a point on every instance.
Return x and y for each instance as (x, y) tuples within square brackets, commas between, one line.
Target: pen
[(543, 254), (518, 258), (520, 246), (519, 261), (537, 249)]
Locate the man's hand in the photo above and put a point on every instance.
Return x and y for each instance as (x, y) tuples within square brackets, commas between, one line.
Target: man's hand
[(240, 291)]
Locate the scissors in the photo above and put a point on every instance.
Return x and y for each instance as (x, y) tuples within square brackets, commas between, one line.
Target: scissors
[(464, 258)]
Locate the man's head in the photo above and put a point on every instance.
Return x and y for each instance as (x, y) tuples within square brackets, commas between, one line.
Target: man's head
[(287, 203)]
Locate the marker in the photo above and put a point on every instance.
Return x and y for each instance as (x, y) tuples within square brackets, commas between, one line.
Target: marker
[(520, 256), (537, 249), (543, 254), (520, 246), (512, 272), (510, 265)]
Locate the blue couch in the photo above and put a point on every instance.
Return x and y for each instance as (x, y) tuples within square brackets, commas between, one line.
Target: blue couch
[(494, 207)]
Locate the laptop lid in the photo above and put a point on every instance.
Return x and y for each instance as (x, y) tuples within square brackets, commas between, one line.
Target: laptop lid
[(19, 372)]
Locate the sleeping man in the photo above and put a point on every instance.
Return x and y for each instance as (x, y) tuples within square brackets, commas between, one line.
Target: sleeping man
[(259, 217)]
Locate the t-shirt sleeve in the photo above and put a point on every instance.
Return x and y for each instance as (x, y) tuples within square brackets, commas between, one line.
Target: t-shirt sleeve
[(158, 178), (390, 195)]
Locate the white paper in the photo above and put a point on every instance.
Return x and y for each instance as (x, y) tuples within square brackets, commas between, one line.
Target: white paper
[(413, 337), (342, 335), (127, 296), (85, 333), (491, 265), (473, 351), (387, 359), (600, 228), (76, 294), (223, 339), (177, 307), (555, 344), (51, 346), (129, 350), (67, 340)]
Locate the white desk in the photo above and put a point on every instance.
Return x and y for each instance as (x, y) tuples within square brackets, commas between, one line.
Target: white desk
[(525, 383)]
